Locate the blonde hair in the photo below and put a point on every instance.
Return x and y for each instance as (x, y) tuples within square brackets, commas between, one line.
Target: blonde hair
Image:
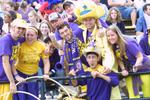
[(121, 39), (119, 17)]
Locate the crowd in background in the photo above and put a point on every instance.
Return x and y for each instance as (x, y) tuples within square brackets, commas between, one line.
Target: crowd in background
[(73, 38)]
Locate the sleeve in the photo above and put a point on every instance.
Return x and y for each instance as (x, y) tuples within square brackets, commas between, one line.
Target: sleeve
[(57, 35), (114, 79), (44, 55), (5, 47), (133, 48), (144, 45)]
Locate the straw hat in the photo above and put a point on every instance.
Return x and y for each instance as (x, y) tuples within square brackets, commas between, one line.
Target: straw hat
[(91, 48), (88, 9)]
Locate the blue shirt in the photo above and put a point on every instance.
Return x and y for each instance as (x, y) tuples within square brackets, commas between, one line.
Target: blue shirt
[(141, 24)]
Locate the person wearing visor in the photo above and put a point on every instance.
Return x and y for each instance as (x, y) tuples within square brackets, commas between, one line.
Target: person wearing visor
[(9, 46)]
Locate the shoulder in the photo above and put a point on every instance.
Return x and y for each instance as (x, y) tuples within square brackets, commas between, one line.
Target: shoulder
[(6, 38)]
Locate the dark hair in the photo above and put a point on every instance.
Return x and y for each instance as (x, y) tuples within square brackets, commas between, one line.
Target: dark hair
[(11, 13), (23, 4), (67, 4), (47, 40), (145, 6), (62, 26), (92, 53), (16, 6)]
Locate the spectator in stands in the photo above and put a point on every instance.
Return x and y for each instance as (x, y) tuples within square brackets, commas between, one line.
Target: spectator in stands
[(114, 17), (33, 19), (93, 30), (100, 85), (9, 16), (55, 20), (44, 11), (126, 8), (45, 29), (24, 10), (57, 6), (69, 8), (9, 6), (104, 7), (143, 22), (27, 63), (130, 59), (72, 56), (9, 46), (139, 6)]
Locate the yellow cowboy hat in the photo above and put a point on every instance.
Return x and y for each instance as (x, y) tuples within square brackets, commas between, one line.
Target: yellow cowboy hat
[(88, 10)]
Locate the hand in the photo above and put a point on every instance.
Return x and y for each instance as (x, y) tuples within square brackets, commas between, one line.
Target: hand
[(124, 73), (61, 52), (45, 77), (94, 74), (136, 68), (52, 36), (20, 79), (72, 72), (13, 88), (106, 70)]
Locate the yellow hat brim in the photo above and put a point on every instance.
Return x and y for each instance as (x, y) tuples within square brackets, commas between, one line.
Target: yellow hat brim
[(91, 49), (96, 12)]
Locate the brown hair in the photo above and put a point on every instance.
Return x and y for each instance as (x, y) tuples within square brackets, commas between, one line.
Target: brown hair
[(119, 17), (48, 24), (121, 39)]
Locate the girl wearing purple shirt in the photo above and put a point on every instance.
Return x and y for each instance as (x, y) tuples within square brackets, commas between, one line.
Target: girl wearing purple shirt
[(130, 57)]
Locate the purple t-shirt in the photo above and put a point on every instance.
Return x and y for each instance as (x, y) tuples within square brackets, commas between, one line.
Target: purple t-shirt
[(98, 88), (9, 47), (132, 48)]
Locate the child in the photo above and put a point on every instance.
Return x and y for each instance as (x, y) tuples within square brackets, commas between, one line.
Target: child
[(99, 87)]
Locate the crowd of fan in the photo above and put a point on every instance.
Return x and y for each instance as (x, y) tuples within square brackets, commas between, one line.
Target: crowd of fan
[(57, 36)]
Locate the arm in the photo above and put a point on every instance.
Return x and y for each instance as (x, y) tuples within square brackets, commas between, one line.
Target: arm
[(8, 71), (139, 59), (46, 66), (106, 78), (57, 44), (111, 78), (114, 4), (124, 72)]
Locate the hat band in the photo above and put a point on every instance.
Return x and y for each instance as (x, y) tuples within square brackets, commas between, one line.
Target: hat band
[(85, 12)]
